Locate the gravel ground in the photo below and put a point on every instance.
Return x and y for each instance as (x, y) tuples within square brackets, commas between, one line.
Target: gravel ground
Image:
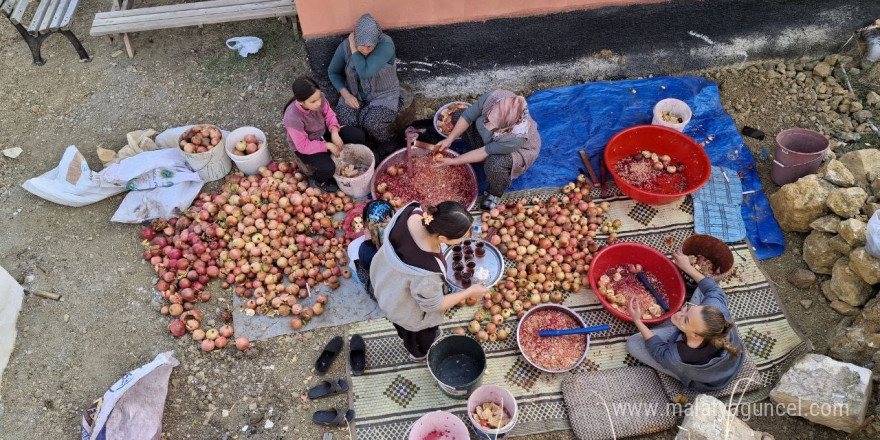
[(68, 352)]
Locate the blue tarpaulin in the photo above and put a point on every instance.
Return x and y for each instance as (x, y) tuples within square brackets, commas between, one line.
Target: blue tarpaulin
[(586, 116)]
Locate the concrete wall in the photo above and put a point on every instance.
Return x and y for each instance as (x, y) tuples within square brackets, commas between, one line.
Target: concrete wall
[(327, 17), (610, 42)]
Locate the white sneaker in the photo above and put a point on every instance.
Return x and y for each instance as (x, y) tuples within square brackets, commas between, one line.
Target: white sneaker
[(417, 359)]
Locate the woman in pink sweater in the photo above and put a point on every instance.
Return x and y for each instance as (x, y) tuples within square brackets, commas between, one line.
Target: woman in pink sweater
[(313, 132)]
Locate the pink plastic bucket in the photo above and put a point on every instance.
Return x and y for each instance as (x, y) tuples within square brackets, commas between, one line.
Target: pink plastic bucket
[(439, 425), (798, 152), (497, 395)]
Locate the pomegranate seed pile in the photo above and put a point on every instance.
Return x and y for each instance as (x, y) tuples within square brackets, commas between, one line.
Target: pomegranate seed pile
[(426, 184), (552, 353)]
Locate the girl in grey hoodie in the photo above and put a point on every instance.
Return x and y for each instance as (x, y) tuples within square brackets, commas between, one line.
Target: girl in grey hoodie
[(701, 348), (408, 273)]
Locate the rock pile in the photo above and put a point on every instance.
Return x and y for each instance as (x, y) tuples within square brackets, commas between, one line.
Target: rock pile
[(813, 94), (834, 206)]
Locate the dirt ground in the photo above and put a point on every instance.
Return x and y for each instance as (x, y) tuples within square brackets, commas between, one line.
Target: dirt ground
[(68, 352)]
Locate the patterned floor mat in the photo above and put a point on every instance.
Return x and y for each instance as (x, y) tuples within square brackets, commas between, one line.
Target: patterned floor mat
[(394, 392)]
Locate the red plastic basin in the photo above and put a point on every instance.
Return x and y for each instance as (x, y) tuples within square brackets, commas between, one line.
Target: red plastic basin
[(652, 261), (661, 140)]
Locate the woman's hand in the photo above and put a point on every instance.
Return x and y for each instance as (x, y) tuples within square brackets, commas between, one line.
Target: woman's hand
[(476, 291), (445, 162), (333, 149), (334, 137), (443, 145), (350, 100), (684, 263), (681, 260), (635, 311)]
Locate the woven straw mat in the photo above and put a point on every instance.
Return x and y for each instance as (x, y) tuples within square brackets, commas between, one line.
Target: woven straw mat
[(394, 392)]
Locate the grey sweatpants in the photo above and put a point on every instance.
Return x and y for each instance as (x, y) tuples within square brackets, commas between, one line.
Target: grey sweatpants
[(637, 348)]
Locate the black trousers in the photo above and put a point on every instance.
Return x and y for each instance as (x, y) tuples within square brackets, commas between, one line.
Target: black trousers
[(418, 343), (325, 168)]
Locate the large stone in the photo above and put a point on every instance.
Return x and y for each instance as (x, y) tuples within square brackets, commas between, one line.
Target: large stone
[(825, 391), (875, 187), (836, 173), (870, 209), (844, 308), (872, 98), (847, 286), (825, 287), (847, 342), (861, 115), (865, 265), (863, 164), (854, 231), (797, 204), (869, 319), (707, 415), (827, 223), (840, 245), (822, 70), (847, 202), (801, 278), (818, 253)]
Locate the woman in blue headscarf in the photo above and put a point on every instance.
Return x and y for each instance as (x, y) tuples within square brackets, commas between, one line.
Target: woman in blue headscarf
[(364, 72), (376, 216)]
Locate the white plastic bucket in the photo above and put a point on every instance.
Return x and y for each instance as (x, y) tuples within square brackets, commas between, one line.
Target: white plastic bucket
[(251, 163), (495, 394), (674, 106), (362, 157), (439, 425), (211, 165)]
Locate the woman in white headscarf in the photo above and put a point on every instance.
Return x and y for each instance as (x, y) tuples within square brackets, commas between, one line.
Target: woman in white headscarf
[(364, 72), (501, 134)]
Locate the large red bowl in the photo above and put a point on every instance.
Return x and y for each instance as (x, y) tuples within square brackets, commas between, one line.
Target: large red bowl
[(661, 140), (652, 261)]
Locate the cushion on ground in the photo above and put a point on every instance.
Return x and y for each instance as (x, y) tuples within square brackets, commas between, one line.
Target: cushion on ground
[(632, 396), (673, 386)]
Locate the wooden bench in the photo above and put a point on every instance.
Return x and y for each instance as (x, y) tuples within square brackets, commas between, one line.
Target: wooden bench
[(122, 19), (49, 17)]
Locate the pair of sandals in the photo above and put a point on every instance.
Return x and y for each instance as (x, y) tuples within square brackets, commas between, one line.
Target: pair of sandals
[(357, 355), (331, 387), (332, 416)]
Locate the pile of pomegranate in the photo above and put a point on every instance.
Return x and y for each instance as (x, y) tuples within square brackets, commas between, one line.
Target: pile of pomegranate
[(550, 244), (255, 233)]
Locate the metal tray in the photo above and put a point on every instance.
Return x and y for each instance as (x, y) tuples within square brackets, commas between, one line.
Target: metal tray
[(492, 260)]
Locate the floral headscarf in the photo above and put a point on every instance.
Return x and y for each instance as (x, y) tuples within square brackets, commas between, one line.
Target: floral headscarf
[(367, 31), (376, 215), (508, 116)]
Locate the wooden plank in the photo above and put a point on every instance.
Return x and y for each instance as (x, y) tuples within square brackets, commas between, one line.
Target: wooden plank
[(7, 6), (183, 7), (38, 15), (59, 15), (18, 12), (189, 21), (43, 25), (194, 15)]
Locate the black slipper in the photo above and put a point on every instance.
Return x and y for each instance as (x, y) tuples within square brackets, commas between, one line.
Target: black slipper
[(328, 355), (328, 387), (333, 417), (357, 355)]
